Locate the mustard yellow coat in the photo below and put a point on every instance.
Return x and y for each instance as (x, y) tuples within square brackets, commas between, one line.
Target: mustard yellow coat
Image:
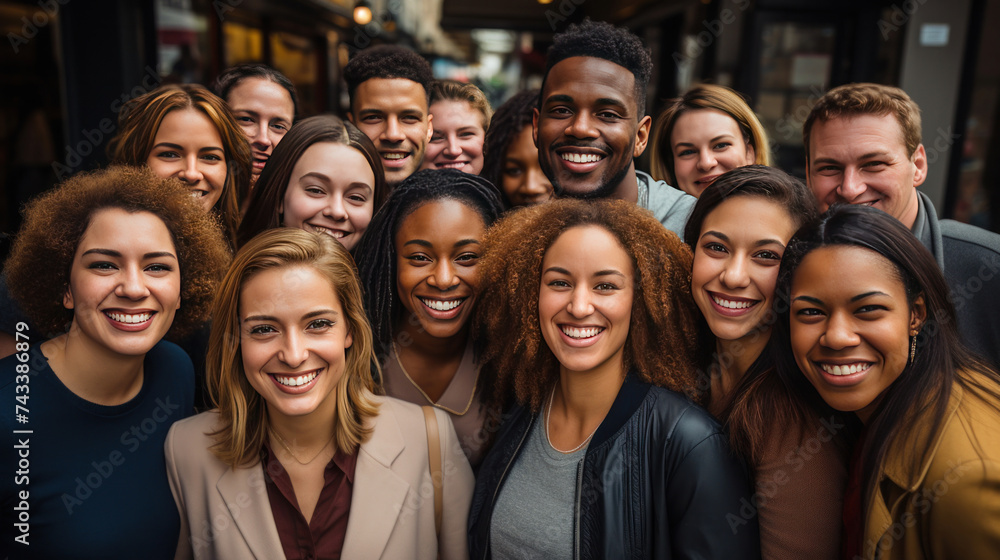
[(949, 507)]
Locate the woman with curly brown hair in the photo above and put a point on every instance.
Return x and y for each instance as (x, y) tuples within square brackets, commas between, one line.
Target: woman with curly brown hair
[(123, 258), (187, 132), (587, 318)]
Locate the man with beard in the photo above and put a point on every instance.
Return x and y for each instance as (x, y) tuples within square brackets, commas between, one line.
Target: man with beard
[(591, 121)]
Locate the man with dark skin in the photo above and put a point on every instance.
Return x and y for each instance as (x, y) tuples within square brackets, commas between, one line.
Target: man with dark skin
[(591, 121)]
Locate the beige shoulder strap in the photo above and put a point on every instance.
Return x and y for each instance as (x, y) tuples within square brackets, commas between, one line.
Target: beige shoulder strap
[(434, 453)]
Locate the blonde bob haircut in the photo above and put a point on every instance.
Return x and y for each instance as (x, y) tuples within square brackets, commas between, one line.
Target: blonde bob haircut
[(242, 411), (705, 96)]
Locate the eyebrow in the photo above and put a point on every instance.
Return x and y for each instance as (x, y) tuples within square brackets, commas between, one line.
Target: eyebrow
[(718, 234), (606, 272), (309, 315), (856, 298), (117, 254), (869, 155), (425, 243), (407, 112), (719, 137), (181, 148)]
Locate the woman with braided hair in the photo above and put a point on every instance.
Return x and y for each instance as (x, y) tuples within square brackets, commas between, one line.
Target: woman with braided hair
[(419, 263)]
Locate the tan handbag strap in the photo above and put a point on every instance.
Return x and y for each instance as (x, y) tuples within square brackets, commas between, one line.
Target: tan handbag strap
[(434, 453)]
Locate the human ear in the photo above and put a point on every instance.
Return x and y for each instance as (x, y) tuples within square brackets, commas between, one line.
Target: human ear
[(642, 135), (918, 315)]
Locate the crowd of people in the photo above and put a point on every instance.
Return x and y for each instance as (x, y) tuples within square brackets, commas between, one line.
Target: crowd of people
[(435, 330)]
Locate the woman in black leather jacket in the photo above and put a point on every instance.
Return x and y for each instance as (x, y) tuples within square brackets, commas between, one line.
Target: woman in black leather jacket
[(588, 324)]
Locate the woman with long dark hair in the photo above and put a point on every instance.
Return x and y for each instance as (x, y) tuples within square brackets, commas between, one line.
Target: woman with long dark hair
[(419, 263), (325, 176), (869, 329)]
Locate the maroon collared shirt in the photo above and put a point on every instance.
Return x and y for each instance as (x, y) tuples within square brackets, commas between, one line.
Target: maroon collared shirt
[(323, 536)]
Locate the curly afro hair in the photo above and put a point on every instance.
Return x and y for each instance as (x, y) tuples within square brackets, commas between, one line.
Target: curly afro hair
[(55, 222), (508, 121), (599, 39), (387, 61), (662, 344)]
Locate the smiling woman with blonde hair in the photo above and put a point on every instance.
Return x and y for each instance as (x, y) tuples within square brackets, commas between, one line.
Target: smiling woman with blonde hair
[(302, 458)]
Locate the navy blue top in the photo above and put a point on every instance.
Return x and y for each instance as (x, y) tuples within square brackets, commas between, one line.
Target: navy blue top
[(94, 475)]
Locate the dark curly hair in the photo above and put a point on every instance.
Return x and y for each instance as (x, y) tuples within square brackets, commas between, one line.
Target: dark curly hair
[(599, 39), (269, 192), (662, 344), (508, 121), (232, 76), (55, 222), (141, 117), (376, 253), (387, 61)]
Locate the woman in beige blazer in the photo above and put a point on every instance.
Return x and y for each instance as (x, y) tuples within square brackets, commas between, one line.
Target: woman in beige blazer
[(302, 459)]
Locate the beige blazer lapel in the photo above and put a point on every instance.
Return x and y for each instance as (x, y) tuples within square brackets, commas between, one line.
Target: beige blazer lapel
[(379, 494), (245, 494)]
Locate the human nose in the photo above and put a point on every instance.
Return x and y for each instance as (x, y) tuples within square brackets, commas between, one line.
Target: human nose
[(735, 274), (839, 333), (293, 350), (581, 126), (393, 131), (706, 160), (133, 284), (580, 304), (852, 186), (443, 277), (335, 210), (191, 173), (262, 136), (536, 183), (451, 148)]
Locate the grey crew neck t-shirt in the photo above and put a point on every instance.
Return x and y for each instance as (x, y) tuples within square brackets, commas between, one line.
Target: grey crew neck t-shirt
[(533, 517)]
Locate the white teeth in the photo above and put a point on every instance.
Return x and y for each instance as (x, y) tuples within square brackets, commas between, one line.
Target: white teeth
[(394, 156), (332, 233), (198, 194), (296, 381), (581, 158), (733, 304), (126, 318), (574, 332), (439, 305), (457, 165), (844, 369)]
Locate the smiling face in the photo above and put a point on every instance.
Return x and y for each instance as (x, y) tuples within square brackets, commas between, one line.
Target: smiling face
[(850, 332), (265, 112), (736, 262), (293, 347), (125, 282), (457, 140), (437, 265), (393, 113), (588, 128), (863, 160), (585, 300), (705, 143), (188, 146), (522, 178), (331, 191)]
